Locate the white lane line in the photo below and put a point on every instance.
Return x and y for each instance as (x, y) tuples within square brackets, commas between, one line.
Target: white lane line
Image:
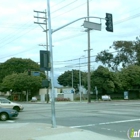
[(82, 126), (115, 122), (123, 121), (10, 121)]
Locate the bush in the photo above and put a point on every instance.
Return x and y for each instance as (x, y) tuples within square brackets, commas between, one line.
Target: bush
[(77, 99), (62, 99)]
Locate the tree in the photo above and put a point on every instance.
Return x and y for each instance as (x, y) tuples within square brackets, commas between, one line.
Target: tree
[(126, 53), (137, 48), (65, 79), (17, 65), (105, 80), (22, 82), (130, 77)]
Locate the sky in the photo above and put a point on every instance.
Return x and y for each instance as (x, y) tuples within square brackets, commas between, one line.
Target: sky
[(20, 37)]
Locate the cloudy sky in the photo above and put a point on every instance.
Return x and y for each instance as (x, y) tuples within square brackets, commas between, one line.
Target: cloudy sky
[(20, 37)]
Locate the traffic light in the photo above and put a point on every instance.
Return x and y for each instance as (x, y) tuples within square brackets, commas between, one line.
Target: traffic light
[(109, 22), (45, 60)]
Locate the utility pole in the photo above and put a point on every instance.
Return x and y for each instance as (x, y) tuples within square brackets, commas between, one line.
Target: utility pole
[(79, 80), (72, 79), (47, 96), (45, 30), (88, 35)]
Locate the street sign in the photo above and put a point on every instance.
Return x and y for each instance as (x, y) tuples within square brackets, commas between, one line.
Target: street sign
[(92, 25), (35, 73)]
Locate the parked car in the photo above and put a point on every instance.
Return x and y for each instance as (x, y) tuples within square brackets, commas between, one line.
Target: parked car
[(34, 99), (7, 114), (5, 103), (106, 98)]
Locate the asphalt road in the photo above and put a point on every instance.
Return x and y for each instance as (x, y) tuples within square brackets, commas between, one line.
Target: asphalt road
[(110, 118)]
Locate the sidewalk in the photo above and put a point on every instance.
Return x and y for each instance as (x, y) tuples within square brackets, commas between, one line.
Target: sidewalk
[(39, 131)]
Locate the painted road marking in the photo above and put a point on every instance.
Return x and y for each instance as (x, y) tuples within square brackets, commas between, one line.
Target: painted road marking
[(115, 122), (10, 121)]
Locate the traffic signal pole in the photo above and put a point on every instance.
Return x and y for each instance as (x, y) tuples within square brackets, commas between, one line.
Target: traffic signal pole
[(50, 31), (52, 71)]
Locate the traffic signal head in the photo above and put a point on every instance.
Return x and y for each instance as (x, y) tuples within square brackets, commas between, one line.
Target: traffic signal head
[(109, 22), (45, 60)]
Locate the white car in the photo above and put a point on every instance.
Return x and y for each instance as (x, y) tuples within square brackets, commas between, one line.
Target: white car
[(34, 99), (5, 103), (106, 98)]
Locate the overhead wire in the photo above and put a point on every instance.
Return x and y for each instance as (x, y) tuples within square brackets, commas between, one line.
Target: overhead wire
[(118, 23), (24, 33), (31, 25), (63, 7), (70, 10), (18, 53), (134, 16), (58, 3), (57, 16), (127, 18), (16, 38)]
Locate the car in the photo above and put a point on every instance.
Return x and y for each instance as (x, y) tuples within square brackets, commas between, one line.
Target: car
[(106, 98), (5, 103), (7, 114), (34, 99)]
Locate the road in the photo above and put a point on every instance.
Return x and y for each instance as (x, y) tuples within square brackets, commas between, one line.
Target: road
[(113, 118)]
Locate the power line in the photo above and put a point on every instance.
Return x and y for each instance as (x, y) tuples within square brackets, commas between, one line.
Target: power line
[(127, 18), (63, 7), (58, 3), (70, 10), (120, 21), (16, 38), (18, 53), (28, 26)]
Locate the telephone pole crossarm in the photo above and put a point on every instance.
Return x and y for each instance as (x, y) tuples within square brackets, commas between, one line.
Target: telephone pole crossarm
[(39, 17), (43, 19), (39, 11), (39, 23)]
